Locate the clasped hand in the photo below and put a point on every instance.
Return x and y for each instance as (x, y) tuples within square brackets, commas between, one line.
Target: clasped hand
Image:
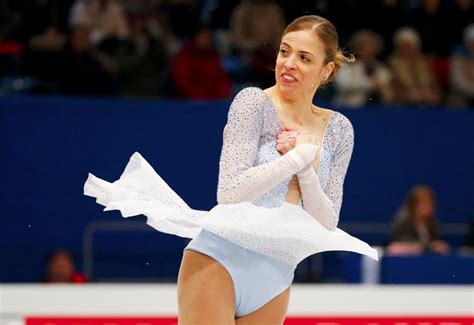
[(289, 138)]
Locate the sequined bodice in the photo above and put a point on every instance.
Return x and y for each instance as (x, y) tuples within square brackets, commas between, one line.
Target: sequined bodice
[(267, 152), (253, 125)]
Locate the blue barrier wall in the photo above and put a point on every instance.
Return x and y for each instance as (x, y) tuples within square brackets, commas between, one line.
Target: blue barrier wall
[(48, 145)]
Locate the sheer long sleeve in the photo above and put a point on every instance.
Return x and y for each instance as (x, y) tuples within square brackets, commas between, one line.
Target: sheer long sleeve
[(239, 179), (325, 204)]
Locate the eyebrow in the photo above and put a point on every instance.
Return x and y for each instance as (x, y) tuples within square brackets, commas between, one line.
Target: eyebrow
[(306, 52)]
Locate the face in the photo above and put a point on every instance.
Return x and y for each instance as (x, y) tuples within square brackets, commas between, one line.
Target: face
[(424, 208), (203, 39), (368, 48), (60, 268), (408, 49), (300, 65)]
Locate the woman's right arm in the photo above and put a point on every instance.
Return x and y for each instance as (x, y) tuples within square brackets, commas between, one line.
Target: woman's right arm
[(239, 180)]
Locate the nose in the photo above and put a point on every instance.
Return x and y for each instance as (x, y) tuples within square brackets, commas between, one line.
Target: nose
[(290, 62)]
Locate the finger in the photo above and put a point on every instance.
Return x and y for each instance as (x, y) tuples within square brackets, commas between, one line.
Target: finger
[(284, 142)]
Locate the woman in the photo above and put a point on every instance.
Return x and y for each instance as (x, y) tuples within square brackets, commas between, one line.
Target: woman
[(414, 80), (368, 80), (60, 268), (415, 227), (245, 250)]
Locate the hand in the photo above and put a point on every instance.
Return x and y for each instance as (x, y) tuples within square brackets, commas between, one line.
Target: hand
[(286, 140), (404, 248), (439, 246)]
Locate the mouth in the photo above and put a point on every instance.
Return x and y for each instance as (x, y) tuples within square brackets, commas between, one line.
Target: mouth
[(288, 77)]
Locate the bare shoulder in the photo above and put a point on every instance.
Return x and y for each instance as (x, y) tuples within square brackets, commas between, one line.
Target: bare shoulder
[(269, 91), (324, 110), (324, 114), (337, 116)]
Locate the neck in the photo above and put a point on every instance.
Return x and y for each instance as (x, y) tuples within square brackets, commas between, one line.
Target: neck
[(297, 108)]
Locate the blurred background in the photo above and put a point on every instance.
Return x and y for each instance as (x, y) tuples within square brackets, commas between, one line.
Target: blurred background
[(85, 83)]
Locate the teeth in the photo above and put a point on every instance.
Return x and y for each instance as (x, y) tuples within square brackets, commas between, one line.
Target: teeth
[(288, 77)]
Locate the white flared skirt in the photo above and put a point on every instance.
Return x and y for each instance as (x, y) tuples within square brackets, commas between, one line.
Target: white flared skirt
[(287, 233)]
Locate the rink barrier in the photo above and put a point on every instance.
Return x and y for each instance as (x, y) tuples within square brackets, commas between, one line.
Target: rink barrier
[(125, 304)]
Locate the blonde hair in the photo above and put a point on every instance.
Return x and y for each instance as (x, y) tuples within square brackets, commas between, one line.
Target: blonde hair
[(327, 34)]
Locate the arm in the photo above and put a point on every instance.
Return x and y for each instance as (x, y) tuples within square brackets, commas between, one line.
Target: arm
[(325, 205), (239, 180)]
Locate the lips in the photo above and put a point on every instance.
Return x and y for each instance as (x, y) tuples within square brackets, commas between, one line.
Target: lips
[(288, 77)]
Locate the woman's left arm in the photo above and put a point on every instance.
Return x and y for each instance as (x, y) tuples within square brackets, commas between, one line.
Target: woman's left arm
[(325, 204)]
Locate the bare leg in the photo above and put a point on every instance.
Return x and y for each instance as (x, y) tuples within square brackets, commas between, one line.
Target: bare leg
[(205, 291), (273, 313)]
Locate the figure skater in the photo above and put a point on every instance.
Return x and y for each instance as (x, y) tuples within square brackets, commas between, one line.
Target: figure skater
[(281, 175)]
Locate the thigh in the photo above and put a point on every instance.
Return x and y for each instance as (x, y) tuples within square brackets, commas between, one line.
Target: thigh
[(273, 312), (205, 291)]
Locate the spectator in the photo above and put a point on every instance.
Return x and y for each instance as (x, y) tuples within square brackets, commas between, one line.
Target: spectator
[(414, 80), (415, 227), (42, 33), (367, 80), (256, 28), (60, 268), (462, 72), (81, 72), (42, 23), (143, 72), (197, 71), (105, 19)]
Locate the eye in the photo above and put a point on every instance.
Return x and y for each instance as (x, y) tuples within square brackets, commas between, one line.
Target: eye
[(305, 58), (283, 51)]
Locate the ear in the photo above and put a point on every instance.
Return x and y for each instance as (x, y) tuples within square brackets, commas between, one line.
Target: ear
[(329, 68)]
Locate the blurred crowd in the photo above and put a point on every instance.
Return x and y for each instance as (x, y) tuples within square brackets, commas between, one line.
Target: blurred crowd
[(417, 52)]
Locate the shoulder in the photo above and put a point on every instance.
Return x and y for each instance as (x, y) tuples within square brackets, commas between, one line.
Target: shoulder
[(342, 120), (251, 92), (249, 101), (250, 96), (337, 120), (341, 127)]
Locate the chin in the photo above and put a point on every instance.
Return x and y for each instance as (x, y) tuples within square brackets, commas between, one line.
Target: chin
[(289, 91)]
